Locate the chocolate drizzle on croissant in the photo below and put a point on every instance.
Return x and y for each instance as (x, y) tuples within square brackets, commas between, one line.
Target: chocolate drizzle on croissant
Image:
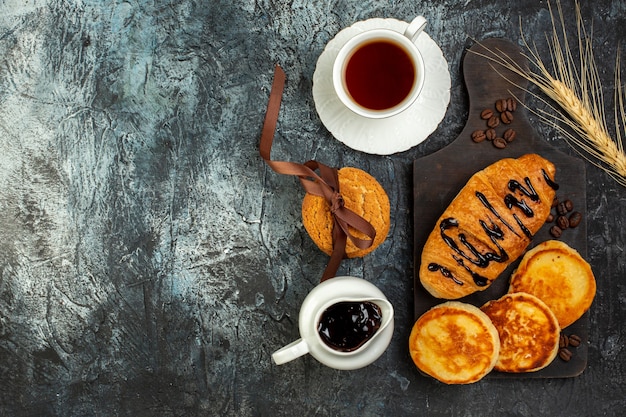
[(487, 226)]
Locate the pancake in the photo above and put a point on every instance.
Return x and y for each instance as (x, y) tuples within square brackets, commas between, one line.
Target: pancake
[(529, 332), (560, 277), (455, 343)]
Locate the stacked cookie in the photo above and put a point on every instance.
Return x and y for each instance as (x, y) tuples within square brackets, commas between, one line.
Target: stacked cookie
[(363, 195)]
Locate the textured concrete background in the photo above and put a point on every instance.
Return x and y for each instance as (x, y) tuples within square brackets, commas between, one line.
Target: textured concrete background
[(150, 262)]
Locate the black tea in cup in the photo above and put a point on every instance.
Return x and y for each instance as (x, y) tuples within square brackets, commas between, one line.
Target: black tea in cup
[(379, 74)]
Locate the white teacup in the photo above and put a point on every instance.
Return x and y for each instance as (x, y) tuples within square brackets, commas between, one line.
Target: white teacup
[(380, 72), (329, 293)]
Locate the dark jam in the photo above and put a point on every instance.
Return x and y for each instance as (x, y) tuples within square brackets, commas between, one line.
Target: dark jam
[(347, 325)]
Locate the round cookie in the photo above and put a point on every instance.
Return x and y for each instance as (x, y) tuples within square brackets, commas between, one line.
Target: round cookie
[(363, 195)]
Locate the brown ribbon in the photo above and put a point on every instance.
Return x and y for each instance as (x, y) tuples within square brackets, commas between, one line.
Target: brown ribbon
[(326, 184)]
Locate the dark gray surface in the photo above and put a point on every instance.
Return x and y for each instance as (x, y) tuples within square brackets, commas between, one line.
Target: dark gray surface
[(150, 262)]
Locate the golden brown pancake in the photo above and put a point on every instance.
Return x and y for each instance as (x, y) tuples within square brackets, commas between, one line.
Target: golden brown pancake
[(529, 332), (455, 343), (560, 277)]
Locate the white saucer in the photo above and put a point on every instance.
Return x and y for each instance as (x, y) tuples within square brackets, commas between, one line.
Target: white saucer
[(394, 134)]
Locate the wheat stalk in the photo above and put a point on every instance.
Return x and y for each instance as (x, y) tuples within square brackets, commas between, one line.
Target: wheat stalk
[(576, 90)]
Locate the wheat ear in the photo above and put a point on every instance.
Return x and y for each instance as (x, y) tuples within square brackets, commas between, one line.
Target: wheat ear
[(577, 106)]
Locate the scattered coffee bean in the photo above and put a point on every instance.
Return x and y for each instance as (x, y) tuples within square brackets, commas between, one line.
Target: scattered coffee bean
[(575, 218), (478, 136), (506, 117), (501, 105), (509, 135), (574, 340), (566, 342), (563, 221), (503, 113), (511, 104), (499, 143), (556, 231), (565, 354), (493, 121)]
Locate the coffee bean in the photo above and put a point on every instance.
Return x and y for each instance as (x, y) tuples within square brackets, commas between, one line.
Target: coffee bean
[(506, 117), (562, 222), (556, 232), (575, 218), (501, 105), (550, 218), (486, 114), (569, 206), (493, 121), (565, 354), (574, 340), (478, 136), (555, 202), (511, 104), (509, 135), (491, 134), (563, 341), (499, 143), (561, 208)]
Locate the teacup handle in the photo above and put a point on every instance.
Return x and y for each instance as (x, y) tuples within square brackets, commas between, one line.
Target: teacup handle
[(415, 28), (290, 352)]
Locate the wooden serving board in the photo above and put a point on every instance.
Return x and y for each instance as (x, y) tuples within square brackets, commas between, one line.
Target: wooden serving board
[(437, 178)]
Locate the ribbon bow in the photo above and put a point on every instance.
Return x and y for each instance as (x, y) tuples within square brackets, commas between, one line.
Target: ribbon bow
[(326, 184)]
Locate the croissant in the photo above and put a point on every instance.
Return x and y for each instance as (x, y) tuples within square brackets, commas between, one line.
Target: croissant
[(487, 226)]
